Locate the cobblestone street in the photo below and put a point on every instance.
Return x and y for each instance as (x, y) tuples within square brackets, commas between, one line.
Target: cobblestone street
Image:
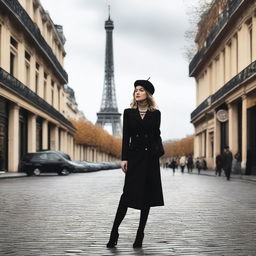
[(73, 215)]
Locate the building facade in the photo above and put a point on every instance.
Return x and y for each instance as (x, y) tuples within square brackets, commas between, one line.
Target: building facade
[(34, 107), (225, 70)]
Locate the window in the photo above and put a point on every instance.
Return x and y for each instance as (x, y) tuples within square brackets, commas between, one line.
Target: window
[(45, 86), (27, 67), (14, 43), (58, 98), (12, 63), (249, 25), (224, 65), (13, 56), (52, 94), (250, 42), (236, 53), (37, 78)]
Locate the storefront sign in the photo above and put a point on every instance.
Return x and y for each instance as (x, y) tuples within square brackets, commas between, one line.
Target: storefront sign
[(222, 115)]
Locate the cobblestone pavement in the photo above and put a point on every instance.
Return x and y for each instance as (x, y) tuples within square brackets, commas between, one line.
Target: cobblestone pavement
[(72, 215)]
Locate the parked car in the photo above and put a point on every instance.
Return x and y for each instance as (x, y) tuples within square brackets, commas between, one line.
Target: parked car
[(48, 161)]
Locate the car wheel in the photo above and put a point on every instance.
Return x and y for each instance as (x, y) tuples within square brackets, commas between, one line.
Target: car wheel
[(64, 171), (36, 171)]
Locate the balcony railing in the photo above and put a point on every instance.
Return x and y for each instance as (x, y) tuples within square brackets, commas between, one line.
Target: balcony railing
[(232, 84), (233, 6), (23, 91), (33, 29)]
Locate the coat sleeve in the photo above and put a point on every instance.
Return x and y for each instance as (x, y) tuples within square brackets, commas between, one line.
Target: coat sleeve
[(126, 136), (158, 123)]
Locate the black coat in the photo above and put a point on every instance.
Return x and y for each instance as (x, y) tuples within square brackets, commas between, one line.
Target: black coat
[(227, 160), (142, 187)]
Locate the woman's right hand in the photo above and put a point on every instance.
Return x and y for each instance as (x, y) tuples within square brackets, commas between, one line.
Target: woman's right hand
[(124, 165)]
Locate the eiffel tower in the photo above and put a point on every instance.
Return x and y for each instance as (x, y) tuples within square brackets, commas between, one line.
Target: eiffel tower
[(108, 114)]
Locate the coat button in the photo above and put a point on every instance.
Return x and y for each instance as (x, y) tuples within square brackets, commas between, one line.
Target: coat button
[(146, 148), (137, 135)]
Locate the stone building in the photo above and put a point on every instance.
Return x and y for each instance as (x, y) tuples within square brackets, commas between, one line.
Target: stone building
[(225, 70), (34, 101)]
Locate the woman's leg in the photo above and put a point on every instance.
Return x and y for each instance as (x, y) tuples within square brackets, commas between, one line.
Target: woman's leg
[(143, 219), (140, 232), (120, 214)]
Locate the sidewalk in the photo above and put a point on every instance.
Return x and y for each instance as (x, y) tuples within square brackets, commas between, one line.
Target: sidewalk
[(5, 175), (211, 172)]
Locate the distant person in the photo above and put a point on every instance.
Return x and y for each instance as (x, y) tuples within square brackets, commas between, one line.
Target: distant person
[(204, 164), (173, 165), (237, 164), (219, 164), (249, 158), (198, 165), (227, 161), (190, 163), (140, 160), (182, 163)]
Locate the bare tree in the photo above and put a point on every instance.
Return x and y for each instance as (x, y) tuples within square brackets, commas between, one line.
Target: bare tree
[(202, 16)]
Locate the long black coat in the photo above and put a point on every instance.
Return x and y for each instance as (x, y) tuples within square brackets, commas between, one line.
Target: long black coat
[(142, 187)]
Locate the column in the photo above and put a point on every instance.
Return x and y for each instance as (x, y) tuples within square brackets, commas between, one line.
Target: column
[(71, 147), (55, 138), (45, 134), (254, 38), (13, 138), (216, 138), (64, 141), (5, 48), (31, 132), (244, 131), (82, 153), (196, 145), (207, 146), (233, 127)]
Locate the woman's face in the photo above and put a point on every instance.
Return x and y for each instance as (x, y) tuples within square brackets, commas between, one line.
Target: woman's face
[(140, 93)]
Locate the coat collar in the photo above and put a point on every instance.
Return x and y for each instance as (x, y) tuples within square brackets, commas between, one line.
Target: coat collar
[(139, 117)]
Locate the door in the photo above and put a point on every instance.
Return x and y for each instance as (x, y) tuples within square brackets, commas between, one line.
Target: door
[(23, 136), (251, 140), (3, 135)]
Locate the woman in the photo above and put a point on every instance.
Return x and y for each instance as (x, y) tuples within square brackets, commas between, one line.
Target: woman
[(140, 160)]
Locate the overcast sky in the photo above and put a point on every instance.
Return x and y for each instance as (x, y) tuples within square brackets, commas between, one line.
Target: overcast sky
[(148, 41)]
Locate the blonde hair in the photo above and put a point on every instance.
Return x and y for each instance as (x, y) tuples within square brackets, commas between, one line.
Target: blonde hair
[(150, 100)]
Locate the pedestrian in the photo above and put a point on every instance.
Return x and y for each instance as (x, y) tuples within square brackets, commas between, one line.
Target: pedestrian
[(237, 164), (140, 160), (198, 165), (173, 165), (204, 164), (190, 163), (182, 163), (219, 164), (227, 161)]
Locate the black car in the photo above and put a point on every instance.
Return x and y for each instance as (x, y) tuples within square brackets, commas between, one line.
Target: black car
[(48, 161)]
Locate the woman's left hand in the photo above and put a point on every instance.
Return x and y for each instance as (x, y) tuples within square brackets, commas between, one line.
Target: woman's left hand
[(124, 165)]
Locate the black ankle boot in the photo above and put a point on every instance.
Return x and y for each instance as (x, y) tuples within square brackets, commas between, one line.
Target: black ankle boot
[(138, 240), (113, 239)]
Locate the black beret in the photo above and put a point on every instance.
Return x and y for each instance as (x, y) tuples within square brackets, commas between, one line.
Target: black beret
[(148, 86)]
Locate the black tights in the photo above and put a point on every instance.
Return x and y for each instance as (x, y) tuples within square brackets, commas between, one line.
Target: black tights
[(121, 212)]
